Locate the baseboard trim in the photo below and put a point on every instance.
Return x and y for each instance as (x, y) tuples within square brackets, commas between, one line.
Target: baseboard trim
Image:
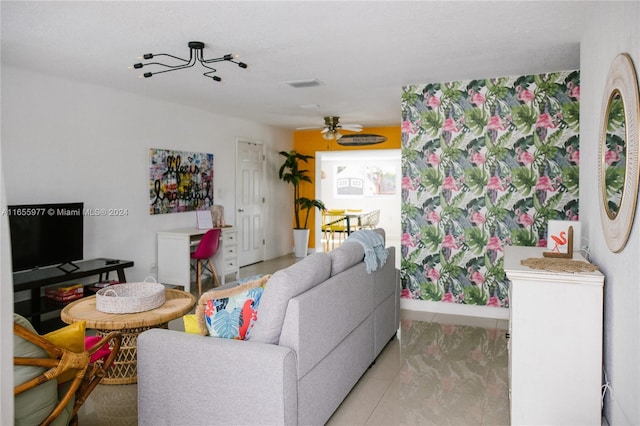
[(454, 309)]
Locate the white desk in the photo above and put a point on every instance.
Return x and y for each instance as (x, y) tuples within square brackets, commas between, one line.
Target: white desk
[(174, 255)]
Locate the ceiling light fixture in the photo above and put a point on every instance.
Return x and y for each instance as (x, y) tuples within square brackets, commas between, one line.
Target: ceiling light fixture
[(332, 134), (195, 55), (331, 126)]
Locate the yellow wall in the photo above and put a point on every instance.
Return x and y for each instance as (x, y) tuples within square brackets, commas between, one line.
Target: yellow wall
[(308, 142)]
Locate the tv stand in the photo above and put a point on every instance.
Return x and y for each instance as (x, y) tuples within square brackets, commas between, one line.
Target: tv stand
[(36, 279)]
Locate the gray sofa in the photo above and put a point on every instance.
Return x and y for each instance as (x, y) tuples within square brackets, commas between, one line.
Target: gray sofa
[(321, 323)]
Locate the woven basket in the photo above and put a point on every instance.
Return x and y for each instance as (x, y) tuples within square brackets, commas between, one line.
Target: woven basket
[(129, 298)]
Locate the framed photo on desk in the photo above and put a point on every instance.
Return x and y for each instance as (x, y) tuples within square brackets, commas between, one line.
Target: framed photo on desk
[(203, 219)]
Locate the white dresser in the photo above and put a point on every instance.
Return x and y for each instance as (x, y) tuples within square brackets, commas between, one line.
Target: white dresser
[(174, 255), (555, 345)]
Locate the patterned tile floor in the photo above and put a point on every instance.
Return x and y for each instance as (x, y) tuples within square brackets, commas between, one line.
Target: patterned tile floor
[(441, 370)]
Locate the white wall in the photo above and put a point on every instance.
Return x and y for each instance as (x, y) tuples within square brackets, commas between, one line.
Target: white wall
[(66, 141), (613, 28)]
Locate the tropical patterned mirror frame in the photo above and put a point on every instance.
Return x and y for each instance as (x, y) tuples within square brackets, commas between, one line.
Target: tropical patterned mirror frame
[(618, 153)]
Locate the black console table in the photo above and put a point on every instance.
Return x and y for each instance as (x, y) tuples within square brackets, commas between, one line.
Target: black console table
[(35, 279)]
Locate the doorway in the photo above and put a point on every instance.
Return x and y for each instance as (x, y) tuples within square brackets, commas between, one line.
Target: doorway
[(364, 180), (250, 176)]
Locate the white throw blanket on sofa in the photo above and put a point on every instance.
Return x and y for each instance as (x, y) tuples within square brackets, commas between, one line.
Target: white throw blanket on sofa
[(374, 249)]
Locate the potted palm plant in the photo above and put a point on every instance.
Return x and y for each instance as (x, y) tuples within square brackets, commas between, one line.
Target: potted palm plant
[(291, 172)]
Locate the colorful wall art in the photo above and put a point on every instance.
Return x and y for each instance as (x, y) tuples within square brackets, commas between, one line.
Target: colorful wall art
[(179, 181), (485, 164)]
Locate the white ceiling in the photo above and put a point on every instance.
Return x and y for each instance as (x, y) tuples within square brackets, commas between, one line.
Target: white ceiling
[(362, 51)]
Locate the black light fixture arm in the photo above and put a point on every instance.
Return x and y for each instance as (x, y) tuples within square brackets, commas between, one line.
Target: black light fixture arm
[(195, 55)]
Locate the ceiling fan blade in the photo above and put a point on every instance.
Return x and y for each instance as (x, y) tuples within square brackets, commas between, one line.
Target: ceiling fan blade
[(352, 127), (325, 130), (309, 128)]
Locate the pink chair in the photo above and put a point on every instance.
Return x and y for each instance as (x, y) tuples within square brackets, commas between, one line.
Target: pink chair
[(206, 249)]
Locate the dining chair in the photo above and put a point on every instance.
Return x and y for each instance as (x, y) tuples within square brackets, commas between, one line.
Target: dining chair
[(207, 248), (355, 218), (370, 220), (333, 221)]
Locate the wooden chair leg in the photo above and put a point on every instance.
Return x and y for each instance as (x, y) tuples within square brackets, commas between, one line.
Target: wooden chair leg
[(213, 272), (199, 276)]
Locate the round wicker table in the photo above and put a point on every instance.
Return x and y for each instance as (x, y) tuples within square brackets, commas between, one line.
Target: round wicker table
[(124, 370)]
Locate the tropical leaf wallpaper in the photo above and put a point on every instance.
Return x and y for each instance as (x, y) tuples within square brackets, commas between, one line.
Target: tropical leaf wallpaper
[(485, 163)]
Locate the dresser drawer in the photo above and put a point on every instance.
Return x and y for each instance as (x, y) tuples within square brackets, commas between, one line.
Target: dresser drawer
[(230, 251), (229, 237), (230, 265)]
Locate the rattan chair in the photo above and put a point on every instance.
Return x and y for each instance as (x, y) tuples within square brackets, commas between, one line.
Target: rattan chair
[(370, 220), (87, 374)]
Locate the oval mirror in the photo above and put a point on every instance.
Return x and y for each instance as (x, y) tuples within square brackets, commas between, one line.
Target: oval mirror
[(618, 162), (615, 154)]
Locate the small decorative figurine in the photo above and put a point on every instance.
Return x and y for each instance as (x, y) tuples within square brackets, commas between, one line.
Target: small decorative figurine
[(217, 215), (560, 240)]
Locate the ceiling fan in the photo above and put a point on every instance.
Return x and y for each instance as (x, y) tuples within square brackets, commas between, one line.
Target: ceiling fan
[(331, 127)]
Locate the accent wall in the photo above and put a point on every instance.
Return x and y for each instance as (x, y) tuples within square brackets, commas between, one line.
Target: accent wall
[(486, 164)]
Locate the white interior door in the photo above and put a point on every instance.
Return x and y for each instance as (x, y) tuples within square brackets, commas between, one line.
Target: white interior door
[(250, 202)]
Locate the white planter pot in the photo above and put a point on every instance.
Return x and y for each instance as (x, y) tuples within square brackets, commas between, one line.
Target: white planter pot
[(301, 242)]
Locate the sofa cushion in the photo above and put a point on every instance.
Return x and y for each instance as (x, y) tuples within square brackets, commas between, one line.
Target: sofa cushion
[(345, 256), (319, 319), (284, 285), (190, 323), (34, 405), (71, 338), (230, 313), (102, 353)]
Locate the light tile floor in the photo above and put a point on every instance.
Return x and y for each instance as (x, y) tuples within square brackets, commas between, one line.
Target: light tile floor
[(443, 370), (440, 370)]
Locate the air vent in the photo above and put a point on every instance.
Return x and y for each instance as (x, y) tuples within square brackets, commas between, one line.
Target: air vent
[(299, 84)]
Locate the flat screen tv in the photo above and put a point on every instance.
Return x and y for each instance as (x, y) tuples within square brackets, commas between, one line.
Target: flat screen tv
[(45, 235)]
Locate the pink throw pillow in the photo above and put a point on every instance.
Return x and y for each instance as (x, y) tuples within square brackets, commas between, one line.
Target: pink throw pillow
[(101, 353)]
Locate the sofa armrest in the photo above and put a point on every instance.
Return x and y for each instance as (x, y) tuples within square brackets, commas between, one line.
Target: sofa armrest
[(192, 379)]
